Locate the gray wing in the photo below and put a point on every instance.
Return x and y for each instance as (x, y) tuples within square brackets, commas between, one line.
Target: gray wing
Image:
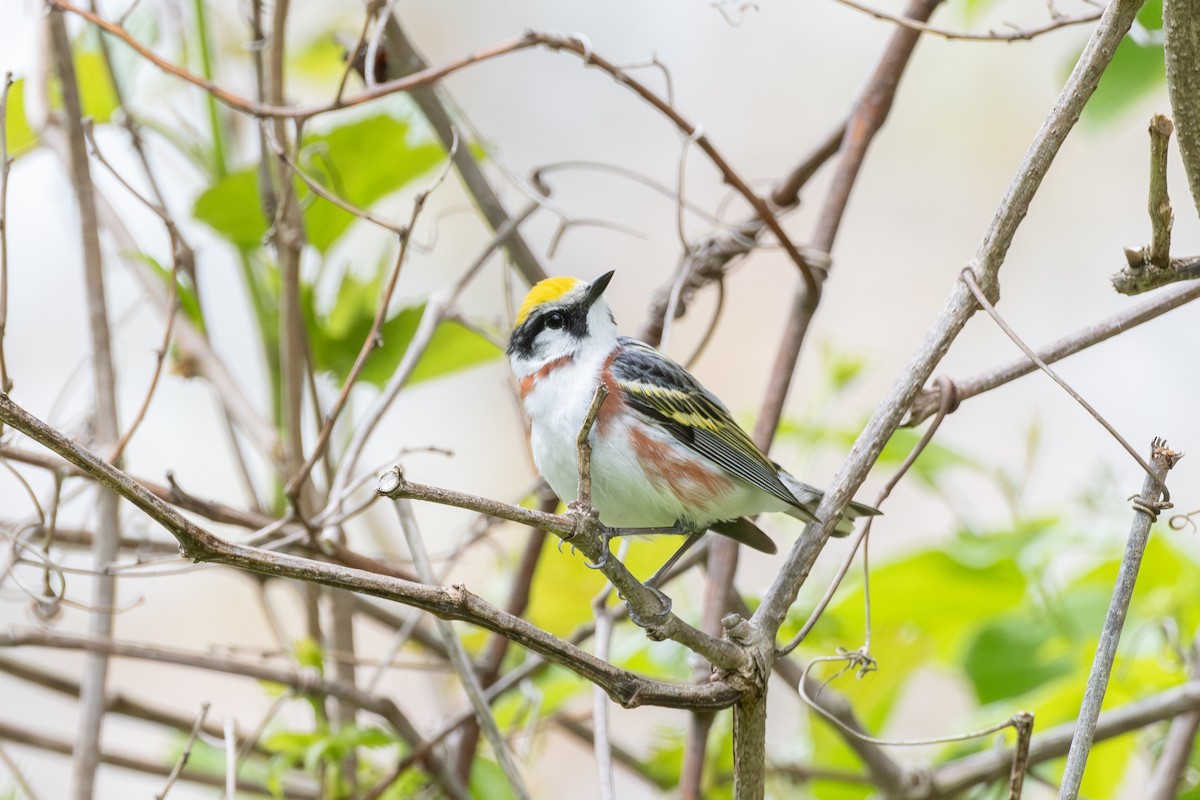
[(664, 393)]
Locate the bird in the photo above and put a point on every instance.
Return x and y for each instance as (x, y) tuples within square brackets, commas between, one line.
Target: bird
[(666, 454)]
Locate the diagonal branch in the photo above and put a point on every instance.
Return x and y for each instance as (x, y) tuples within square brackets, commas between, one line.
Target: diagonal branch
[(456, 602), (960, 306)]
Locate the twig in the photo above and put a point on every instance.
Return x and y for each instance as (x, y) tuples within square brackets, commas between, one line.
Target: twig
[(403, 59), (1151, 266), (428, 76), (150, 766), (116, 703), (106, 430), (458, 655), (865, 531), (1023, 722), (969, 278), (1116, 21), (369, 345), (497, 646), (601, 738), (865, 121), (1147, 506), (230, 759), (1161, 215), (929, 400), (1014, 35), (455, 603), (952, 779), (17, 775), (182, 260), (182, 761), (5, 165), (1177, 747)]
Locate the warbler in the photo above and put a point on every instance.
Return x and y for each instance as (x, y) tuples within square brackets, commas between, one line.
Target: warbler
[(667, 455)]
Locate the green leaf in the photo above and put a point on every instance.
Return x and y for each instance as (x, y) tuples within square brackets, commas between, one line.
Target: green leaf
[(307, 652), (1009, 657), (21, 137), (338, 337), (232, 208), (188, 301), (488, 781), (1135, 71), (97, 94), (361, 163)]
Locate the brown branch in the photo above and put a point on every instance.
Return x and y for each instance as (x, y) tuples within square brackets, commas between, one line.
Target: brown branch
[(1014, 35), (865, 121), (1117, 19), (496, 647), (181, 762), (1147, 505), (429, 76), (302, 682), (952, 779), (115, 703), (928, 401), (402, 60), (1173, 761), (105, 426), (41, 741), (5, 166), (449, 603)]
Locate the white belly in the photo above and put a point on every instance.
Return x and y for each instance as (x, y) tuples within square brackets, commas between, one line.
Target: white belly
[(623, 492)]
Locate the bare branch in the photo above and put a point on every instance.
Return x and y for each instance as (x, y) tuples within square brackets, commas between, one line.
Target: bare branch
[(453, 603), (1177, 748), (458, 656), (928, 401), (1015, 34), (1117, 19), (181, 762), (150, 766), (104, 544), (1147, 506), (1181, 46)]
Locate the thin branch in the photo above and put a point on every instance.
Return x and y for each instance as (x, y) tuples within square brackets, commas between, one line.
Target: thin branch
[(1147, 506), (452, 603), (1015, 34), (5, 166), (106, 428), (428, 76), (403, 59), (865, 530), (1174, 760), (866, 119), (984, 303), (116, 703), (458, 656), (372, 341), (1117, 19), (929, 400), (150, 766), (181, 762), (17, 775), (952, 779)]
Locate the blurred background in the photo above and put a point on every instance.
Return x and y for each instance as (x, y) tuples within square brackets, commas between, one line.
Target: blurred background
[(1016, 517)]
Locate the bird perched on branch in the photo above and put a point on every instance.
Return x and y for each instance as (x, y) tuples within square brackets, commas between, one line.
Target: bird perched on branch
[(667, 457)]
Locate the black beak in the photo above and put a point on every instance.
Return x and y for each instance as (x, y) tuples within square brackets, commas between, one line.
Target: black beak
[(597, 288)]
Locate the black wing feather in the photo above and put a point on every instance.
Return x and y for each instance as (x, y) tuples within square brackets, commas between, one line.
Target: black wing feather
[(664, 392)]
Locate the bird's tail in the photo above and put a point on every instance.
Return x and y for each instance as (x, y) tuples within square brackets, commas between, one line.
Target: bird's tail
[(808, 497)]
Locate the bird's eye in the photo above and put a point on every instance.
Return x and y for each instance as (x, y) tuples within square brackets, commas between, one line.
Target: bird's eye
[(555, 321)]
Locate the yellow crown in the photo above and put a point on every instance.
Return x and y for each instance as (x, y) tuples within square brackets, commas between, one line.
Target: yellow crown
[(544, 292)]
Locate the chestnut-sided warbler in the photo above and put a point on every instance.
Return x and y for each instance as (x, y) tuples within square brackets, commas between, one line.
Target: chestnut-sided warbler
[(666, 454)]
